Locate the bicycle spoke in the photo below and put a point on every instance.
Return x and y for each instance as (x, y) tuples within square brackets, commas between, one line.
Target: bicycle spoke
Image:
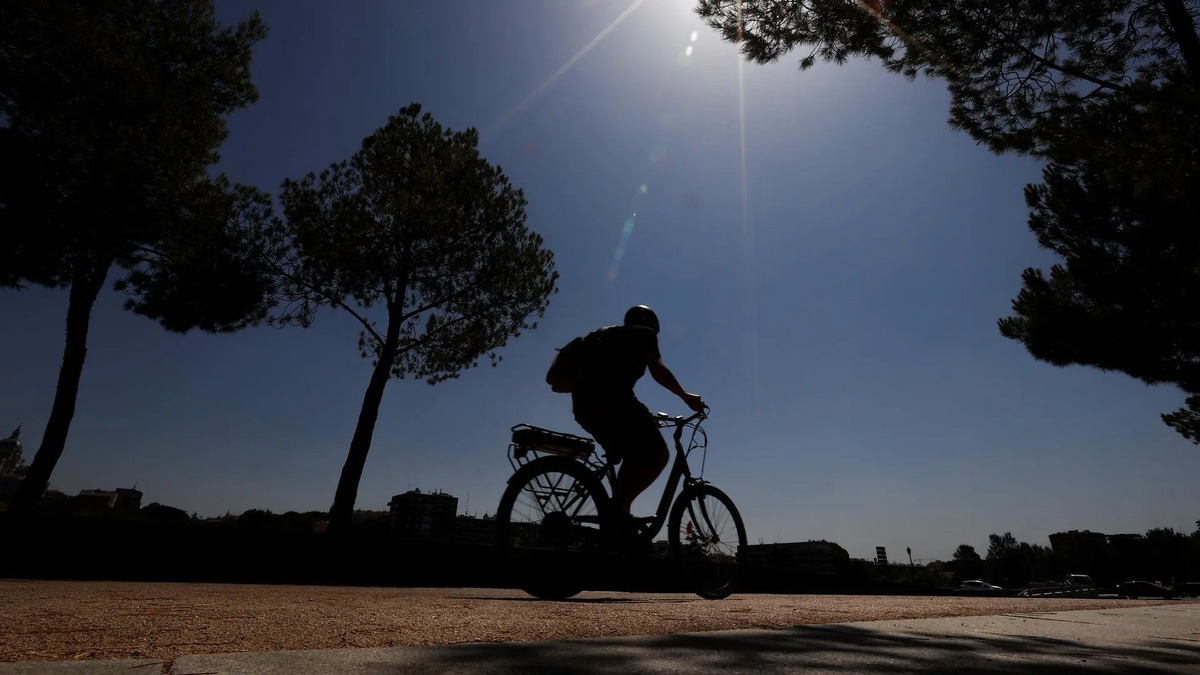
[(713, 533), (555, 511), (549, 490), (581, 499), (706, 536), (546, 493), (715, 525)]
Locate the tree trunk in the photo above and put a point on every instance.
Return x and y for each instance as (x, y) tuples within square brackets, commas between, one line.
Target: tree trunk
[(85, 287), (347, 489), (1183, 28)]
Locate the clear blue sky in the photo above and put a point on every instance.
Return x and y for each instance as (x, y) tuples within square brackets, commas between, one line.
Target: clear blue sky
[(840, 321)]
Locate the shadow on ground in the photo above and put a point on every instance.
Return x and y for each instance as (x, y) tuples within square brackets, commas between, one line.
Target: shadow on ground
[(845, 648)]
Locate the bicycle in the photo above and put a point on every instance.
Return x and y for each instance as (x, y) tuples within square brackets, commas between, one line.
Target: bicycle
[(556, 516)]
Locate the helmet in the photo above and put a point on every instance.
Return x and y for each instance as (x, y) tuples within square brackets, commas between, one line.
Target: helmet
[(642, 315)]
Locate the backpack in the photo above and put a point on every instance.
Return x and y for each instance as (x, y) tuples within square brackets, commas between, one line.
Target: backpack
[(571, 362)]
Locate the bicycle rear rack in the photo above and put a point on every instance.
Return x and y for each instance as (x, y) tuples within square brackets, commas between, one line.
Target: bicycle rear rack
[(530, 442)]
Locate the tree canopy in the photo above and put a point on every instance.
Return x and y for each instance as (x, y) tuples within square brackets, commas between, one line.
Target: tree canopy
[(1108, 93), (424, 244), (1021, 73), (110, 115), (966, 553), (1127, 296)]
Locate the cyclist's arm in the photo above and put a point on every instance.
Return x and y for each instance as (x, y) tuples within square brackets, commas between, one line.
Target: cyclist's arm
[(663, 375)]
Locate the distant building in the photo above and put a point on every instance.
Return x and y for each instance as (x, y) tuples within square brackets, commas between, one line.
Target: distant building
[(423, 514), (809, 557), (1081, 551), (121, 499), (51, 495), (1125, 548), (376, 522), (128, 499), (470, 530), (1106, 558)]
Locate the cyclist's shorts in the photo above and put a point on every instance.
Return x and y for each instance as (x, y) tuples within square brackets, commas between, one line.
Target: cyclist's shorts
[(628, 430)]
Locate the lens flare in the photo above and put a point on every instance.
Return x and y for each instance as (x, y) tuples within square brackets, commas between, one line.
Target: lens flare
[(748, 267), (541, 88), (622, 243), (657, 158)]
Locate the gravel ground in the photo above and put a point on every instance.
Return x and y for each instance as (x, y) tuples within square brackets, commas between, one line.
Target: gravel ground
[(64, 620)]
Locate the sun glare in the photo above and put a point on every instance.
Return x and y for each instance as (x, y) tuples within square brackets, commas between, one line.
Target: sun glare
[(541, 88), (657, 152)]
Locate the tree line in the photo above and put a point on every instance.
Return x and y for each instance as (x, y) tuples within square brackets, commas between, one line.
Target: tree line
[(1162, 554), (111, 116)]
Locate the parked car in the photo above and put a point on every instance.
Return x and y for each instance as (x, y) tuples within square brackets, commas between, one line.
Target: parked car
[(1144, 589), (978, 585)]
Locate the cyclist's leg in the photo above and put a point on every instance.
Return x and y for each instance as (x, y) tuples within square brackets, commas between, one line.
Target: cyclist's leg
[(605, 431), (631, 438), (646, 455)]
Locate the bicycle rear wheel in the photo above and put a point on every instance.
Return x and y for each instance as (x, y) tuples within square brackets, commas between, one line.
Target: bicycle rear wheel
[(708, 537), (549, 527)]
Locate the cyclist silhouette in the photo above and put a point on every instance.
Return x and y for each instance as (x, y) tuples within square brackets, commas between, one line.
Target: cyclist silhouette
[(604, 404)]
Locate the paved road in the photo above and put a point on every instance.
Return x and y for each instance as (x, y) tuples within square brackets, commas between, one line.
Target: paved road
[(56, 621), (1152, 640)]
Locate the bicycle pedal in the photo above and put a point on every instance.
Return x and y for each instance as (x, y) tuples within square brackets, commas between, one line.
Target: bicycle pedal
[(640, 523)]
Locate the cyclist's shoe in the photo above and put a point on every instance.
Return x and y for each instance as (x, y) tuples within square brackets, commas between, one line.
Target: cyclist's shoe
[(627, 523), (631, 534), (643, 524)]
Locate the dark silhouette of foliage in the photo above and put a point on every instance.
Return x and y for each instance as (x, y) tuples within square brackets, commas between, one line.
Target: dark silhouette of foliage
[(1015, 563), (110, 115), (1193, 563), (256, 519), (1108, 92), (1020, 72), (291, 521), (966, 553), (1166, 555), (1001, 546), (967, 564), (163, 513), (1127, 297), (424, 244)]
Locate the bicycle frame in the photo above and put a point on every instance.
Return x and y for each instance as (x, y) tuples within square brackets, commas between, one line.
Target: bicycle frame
[(572, 512), (679, 470)]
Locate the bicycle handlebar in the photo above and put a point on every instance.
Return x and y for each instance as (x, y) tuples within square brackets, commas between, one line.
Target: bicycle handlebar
[(666, 420)]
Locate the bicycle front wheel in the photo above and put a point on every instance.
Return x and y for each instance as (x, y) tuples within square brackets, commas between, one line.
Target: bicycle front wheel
[(548, 526), (708, 537)]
